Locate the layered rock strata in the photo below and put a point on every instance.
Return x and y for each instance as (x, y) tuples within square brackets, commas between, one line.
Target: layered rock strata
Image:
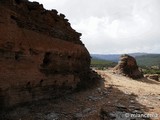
[(41, 56), (128, 66)]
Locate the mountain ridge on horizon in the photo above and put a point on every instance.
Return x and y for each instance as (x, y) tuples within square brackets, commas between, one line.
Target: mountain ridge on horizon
[(132, 53), (145, 59), (114, 57)]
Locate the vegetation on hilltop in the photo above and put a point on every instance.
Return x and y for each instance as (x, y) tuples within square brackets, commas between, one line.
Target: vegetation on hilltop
[(148, 60), (151, 71), (102, 64)]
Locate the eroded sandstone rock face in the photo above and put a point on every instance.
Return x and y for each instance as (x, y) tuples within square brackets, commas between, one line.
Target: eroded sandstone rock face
[(41, 56), (128, 66)]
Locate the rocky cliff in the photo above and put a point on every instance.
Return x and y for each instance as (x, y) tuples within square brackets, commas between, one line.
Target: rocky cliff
[(41, 56), (128, 66)]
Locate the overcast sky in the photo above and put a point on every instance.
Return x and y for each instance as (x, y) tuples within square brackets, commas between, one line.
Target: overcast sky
[(113, 26)]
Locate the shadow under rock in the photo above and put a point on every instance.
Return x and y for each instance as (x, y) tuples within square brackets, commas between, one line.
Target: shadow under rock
[(115, 105), (93, 80), (31, 109)]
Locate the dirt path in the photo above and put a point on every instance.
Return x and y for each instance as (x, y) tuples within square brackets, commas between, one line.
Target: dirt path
[(147, 91), (114, 98)]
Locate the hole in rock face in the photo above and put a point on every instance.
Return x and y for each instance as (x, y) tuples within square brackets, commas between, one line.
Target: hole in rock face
[(64, 83), (16, 57), (55, 81), (69, 57), (19, 55), (18, 1), (47, 59), (41, 81), (28, 84)]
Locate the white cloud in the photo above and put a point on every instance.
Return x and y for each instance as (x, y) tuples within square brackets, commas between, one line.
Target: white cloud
[(113, 26)]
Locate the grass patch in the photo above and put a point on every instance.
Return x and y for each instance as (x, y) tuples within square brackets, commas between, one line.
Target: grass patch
[(102, 64)]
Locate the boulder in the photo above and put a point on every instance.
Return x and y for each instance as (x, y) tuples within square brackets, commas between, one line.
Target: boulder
[(128, 66), (154, 77)]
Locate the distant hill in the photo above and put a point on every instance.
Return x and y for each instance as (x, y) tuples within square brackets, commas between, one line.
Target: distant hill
[(148, 60), (108, 57), (113, 57), (100, 64), (143, 59)]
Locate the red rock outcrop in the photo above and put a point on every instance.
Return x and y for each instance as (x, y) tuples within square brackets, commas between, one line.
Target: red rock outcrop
[(128, 66), (41, 56)]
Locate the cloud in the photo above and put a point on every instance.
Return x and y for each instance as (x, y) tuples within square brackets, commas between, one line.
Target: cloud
[(113, 26)]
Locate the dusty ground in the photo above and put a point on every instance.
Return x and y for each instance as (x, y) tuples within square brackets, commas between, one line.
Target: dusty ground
[(114, 98)]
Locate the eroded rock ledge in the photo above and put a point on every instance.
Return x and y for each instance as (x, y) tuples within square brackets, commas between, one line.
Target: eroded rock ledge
[(41, 56), (32, 16)]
